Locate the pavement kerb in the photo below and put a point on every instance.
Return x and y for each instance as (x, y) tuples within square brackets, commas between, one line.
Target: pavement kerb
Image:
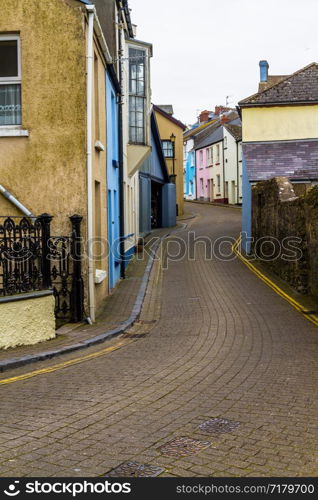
[(221, 205), (309, 316), (109, 334)]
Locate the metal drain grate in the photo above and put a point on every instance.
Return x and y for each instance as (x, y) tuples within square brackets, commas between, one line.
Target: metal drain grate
[(219, 426), (183, 447), (134, 469)]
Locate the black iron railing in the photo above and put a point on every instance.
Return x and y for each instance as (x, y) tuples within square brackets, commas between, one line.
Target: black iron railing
[(31, 259)]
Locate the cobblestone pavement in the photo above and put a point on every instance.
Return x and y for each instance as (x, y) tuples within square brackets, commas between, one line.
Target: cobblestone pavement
[(215, 342)]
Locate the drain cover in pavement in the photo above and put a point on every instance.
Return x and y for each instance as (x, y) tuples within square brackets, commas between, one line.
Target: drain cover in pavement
[(134, 469), (219, 426), (182, 447)]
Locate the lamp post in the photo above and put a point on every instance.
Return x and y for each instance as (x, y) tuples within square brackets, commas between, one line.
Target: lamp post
[(173, 141)]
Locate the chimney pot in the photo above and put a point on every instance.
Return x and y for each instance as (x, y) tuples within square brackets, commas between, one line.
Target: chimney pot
[(263, 65)]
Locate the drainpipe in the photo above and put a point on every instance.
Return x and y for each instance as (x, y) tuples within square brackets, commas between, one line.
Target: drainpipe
[(121, 156), (15, 202), (89, 98)]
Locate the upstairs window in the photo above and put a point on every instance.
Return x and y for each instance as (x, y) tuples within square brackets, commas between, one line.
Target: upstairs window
[(137, 95), (168, 149), (10, 80)]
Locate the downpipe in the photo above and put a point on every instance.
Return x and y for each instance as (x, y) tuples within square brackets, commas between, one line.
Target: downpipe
[(90, 77), (9, 196)]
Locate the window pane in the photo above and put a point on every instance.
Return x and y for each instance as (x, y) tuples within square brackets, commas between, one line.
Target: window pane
[(10, 105), (140, 135), (8, 58)]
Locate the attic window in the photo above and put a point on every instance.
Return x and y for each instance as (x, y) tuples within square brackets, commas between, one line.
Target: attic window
[(10, 80)]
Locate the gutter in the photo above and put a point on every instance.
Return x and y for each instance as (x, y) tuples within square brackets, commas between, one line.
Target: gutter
[(9, 196)]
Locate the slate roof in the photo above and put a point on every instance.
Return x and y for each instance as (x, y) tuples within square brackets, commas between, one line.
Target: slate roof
[(194, 131), (209, 136), (214, 133), (300, 87), (235, 130)]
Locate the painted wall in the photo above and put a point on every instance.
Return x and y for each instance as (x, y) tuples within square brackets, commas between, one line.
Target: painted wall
[(41, 170), (27, 322), (279, 123), (232, 168), (134, 155), (246, 209), (47, 170), (166, 129), (208, 169), (189, 171), (113, 184)]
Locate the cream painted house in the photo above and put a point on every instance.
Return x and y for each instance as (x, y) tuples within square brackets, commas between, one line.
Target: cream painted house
[(136, 105), (280, 133)]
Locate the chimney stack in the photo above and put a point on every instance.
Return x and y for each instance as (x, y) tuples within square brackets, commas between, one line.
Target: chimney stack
[(263, 65)]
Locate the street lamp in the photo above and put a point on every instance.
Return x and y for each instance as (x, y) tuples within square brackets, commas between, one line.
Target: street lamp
[(173, 141)]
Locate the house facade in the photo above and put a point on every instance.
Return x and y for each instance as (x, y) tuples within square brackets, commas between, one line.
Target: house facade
[(190, 188), (53, 136), (157, 194), (280, 134), (171, 133), (218, 164), (136, 106)]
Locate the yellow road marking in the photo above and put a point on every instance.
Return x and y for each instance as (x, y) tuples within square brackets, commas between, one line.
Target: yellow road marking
[(66, 364), (312, 318)]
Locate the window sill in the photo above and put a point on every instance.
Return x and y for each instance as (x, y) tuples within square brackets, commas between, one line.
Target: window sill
[(13, 132)]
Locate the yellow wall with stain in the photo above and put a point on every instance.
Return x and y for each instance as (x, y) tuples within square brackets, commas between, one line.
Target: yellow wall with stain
[(280, 123), (27, 322), (47, 170), (166, 128)]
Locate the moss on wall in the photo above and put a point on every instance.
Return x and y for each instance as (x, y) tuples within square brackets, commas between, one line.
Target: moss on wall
[(279, 215)]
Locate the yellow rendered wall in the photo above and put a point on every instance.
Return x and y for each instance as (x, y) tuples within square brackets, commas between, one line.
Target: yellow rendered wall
[(279, 123), (46, 171), (166, 128), (27, 322)]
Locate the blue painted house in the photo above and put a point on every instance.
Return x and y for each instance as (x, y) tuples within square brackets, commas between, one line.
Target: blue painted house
[(113, 178), (189, 170), (157, 196)]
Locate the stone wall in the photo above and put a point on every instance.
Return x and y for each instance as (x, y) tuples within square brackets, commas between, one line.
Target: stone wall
[(285, 231)]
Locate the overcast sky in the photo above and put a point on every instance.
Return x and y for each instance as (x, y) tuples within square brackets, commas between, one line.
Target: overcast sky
[(205, 50)]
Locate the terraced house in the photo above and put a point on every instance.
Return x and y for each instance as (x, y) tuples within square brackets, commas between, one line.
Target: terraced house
[(69, 151), (280, 133)]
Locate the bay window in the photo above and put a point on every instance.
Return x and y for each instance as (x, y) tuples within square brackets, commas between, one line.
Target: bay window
[(10, 80)]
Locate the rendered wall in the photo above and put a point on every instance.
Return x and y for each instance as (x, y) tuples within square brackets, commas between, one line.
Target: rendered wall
[(27, 322), (279, 123)]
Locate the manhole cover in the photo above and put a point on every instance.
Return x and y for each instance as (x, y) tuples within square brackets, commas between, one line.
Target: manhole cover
[(134, 469), (219, 426), (182, 447)]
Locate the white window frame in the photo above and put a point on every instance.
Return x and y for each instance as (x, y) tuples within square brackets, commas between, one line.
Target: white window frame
[(14, 80)]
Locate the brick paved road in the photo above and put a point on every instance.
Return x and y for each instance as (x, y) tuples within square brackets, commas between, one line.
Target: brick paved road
[(218, 343)]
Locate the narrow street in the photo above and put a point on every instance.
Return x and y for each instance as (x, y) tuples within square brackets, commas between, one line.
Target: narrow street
[(217, 343)]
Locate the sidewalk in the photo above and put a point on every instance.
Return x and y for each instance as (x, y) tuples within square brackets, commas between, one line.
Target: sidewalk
[(121, 310)]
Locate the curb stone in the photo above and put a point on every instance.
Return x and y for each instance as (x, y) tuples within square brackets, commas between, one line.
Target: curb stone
[(109, 334)]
